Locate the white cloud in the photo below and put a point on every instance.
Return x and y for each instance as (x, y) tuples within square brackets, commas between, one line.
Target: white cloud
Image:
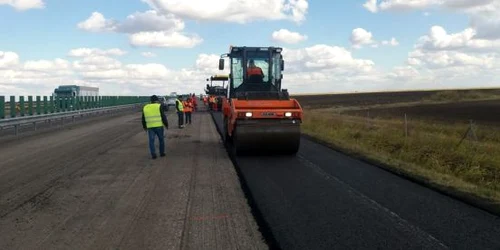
[(439, 39), (149, 29), (371, 5), (392, 42), (148, 54), (484, 14), (164, 39), (360, 37), (84, 52), (97, 23), (286, 36), (326, 59), (100, 69), (23, 5), (8, 59), (234, 10), (456, 59), (150, 21)]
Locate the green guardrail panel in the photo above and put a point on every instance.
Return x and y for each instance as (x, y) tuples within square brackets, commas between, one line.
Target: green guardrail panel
[(12, 106), (21, 106), (45, 107), (51, 105), (72, 101), (2, 107), (30, 105), (55, 104), (38, 105)]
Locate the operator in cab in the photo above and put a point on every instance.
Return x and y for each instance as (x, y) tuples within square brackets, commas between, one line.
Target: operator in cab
[(253, 69)]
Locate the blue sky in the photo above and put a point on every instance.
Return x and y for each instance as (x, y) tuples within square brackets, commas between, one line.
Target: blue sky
[(52, 32)]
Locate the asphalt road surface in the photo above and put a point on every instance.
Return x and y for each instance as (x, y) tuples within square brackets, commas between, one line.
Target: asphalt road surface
[(322, 199), (94, 186)]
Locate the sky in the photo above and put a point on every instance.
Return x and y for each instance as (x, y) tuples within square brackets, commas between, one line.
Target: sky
[(144, 47)]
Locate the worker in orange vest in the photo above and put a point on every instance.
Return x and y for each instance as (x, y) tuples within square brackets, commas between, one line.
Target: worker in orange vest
[(195, 103), (188, 110), (210, 102)]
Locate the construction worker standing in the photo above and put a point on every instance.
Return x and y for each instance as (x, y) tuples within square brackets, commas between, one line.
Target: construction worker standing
[(180, 111), (153, 120), (195, 103), (188, 110)]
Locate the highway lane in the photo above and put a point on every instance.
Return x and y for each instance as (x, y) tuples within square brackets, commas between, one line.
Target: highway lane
[(322, 199)]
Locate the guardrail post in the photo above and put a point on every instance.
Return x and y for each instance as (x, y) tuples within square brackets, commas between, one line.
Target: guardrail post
[(38, 105), (12, 106), (2, 107), (21, 106), (45, 108)]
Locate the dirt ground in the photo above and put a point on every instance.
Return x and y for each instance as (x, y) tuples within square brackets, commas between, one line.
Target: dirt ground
[(375, 98), (482, 112), (95, 187)]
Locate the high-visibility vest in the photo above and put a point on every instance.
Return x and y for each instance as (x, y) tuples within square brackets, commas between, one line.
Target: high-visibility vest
[(181, 106), (152, 115), (254, 71), (187, 107)]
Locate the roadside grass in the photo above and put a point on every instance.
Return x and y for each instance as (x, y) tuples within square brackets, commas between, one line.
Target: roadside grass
[(431, 151)]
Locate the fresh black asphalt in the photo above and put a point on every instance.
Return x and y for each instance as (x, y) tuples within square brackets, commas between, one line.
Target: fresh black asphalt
[(322, 199)]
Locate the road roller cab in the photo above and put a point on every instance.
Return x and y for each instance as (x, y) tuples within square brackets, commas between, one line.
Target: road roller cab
[(259, 116), (217, 92)]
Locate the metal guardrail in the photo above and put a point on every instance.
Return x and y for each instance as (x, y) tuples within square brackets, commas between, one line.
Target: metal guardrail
[(17, 122), (40, 105)]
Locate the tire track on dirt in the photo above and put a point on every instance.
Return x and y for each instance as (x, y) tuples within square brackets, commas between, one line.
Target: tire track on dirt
[(20, 191)]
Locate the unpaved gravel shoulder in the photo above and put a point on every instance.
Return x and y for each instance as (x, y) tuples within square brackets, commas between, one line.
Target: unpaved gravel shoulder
[(95, 187)]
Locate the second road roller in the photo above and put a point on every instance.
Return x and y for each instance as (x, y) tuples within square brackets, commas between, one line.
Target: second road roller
[(259, 116)]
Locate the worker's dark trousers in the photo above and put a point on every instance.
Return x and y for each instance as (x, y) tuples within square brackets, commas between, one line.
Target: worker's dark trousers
[(153, 133), (188, 117), (180, 115)]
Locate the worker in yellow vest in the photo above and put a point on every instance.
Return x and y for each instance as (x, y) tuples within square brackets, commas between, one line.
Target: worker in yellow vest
[(180, 111), (153, 120)]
